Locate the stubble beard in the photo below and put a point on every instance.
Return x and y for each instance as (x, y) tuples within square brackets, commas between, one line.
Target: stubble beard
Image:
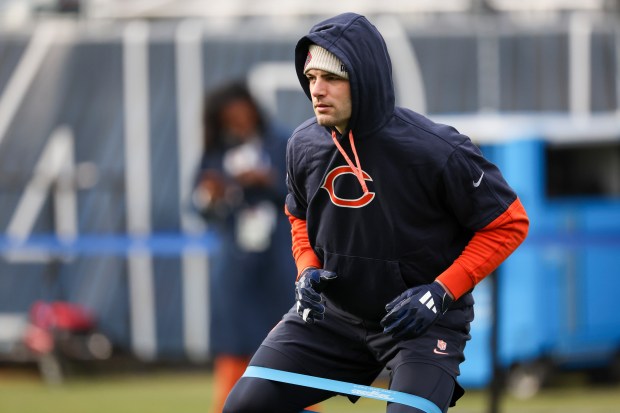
[(326, 120)]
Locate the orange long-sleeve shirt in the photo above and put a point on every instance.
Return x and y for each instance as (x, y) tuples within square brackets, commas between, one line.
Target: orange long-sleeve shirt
[(487, 249)]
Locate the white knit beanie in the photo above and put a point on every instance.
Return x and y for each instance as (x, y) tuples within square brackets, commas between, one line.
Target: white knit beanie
[(320, 58)]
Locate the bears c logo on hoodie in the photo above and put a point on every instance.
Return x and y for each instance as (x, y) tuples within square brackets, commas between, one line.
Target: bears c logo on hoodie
[(329, 186)]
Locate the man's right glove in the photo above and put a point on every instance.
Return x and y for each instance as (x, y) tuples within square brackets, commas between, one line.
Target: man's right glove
[(308, 290), (413, 312)]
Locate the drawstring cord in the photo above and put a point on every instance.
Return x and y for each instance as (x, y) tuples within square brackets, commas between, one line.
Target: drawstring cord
[(357, 168)]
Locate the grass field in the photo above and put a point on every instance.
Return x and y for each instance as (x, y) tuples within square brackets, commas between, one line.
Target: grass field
[(21, 391)]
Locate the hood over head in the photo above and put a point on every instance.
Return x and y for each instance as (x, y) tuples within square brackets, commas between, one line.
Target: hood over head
[(361, 48)]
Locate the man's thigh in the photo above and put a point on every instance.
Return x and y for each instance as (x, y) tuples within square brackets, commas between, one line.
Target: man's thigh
[(424, 380), (331, 348), (256, 395), (427, 366)]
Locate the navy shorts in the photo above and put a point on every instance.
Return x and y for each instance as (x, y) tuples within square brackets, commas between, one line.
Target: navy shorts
[(346, 348)]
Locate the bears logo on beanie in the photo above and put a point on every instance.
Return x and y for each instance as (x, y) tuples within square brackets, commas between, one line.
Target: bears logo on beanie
[(320, 58)]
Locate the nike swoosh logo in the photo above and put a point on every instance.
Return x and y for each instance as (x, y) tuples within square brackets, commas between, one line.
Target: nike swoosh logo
[(439, 352), (477, 183)]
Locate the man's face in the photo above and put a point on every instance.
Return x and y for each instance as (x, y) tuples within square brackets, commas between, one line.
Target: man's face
[(331, 98)]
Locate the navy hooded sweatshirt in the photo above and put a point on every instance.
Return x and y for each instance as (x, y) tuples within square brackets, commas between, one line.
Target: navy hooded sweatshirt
[(431, 187)]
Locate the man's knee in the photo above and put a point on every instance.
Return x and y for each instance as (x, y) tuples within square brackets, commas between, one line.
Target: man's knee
[(251, 395), (242, 398)]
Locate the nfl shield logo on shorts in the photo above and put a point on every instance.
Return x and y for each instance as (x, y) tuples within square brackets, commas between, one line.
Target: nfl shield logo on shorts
[(441, 345)]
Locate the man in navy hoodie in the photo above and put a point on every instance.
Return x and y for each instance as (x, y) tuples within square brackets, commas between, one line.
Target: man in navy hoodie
[(394, 220)]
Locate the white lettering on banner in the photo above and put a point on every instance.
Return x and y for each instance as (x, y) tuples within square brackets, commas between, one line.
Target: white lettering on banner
[(53, 173)]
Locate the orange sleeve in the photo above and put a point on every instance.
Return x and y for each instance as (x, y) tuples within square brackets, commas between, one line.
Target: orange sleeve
[(302, 251), (487, 249)]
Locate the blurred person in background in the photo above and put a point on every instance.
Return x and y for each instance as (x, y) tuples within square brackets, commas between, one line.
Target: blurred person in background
[(240, 191)]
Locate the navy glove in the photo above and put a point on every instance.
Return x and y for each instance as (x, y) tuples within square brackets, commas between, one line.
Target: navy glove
[(414, 311), (308, 293)]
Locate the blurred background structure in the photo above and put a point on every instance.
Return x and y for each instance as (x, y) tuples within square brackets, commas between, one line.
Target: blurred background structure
[(100, 104)]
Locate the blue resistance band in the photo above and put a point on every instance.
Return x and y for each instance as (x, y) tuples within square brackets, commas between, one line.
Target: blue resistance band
[(343, 388)]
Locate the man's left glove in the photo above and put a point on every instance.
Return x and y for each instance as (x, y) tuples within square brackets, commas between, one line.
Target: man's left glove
[(308, 293), (414, 311)]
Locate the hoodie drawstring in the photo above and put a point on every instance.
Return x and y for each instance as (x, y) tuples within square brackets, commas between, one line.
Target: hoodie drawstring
[(357, 168)]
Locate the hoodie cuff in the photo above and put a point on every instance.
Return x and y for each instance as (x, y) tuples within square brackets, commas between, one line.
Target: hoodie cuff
[(307, 259), (457, 280)]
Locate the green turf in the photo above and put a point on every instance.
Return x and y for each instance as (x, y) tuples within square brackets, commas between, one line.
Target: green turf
[(165, 392)]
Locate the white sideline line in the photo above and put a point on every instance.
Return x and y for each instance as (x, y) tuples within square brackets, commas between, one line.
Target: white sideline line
[(137, 151), (189, 87), (138, 188), (194, 264), (489, 76), (579, 37)]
